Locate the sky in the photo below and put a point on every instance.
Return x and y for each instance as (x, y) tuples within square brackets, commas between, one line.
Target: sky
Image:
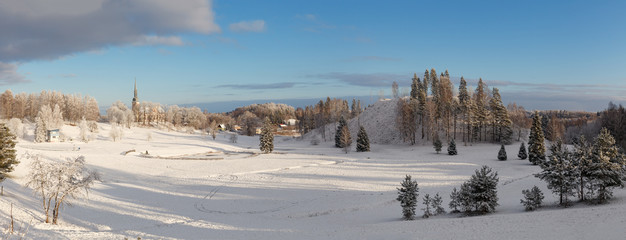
[(540, 54)]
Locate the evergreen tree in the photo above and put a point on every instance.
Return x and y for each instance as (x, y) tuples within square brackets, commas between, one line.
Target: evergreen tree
[(342, 123), (480, 111), (502, 121), (536, 147), (407, 195), (582, 157), (452, 148), (7, 151), (502, 153), (484, 195), (436, 205), (465, 197), (464, 99), (558, 171), (427, 201), (266, 140), (455, 200), (362, 141), (414, 86), (532, 198), (421, 104), (40, 130), (607, 168), (437, 145), (426, 82), (522, 152)]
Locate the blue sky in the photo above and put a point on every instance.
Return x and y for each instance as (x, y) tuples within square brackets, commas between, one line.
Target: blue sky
[(541, 54)]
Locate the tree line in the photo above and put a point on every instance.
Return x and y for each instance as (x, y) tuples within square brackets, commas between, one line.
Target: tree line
[(73, 107), (324, 112)]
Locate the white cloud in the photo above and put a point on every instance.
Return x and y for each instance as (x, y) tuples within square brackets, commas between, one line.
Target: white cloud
[(9, 74), (248, 26), (158, 40)]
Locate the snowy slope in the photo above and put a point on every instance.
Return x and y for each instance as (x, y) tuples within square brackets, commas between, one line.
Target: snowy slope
[(299, 192)]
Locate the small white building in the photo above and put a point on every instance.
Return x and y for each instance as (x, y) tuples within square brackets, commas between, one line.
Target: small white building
[(291, 122), (53, 135)]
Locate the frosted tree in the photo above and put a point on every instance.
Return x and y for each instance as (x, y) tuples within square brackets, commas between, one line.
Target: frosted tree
[(16, 127), (40, 130), (342, 123), (532, 198), (58, 183), (502, 153), (213, 129), (484, 194), (437, 144), (464, 106), (582, 160), (427, 201), (362, 141), (84, 130), (452, 148), (522, 152), (407, 195), (536, 147), (436, 205), (266, 140), (8, 157), (116, 133), (454, 201), (558, 171), (607, 168)]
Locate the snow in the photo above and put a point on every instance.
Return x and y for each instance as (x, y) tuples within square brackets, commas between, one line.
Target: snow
[(193, 187)]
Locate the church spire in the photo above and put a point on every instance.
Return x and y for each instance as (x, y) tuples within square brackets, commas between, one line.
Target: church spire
[(135, 88)]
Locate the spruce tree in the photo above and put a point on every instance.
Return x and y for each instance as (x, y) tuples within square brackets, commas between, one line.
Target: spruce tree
[(502, 153), (532, 198), (437, 145), (266, 140), (407, 195), (342, 123), (536, 147), (40, 130), (414, 86), (582, 159), (362, 141), (607, 168), (522, 152), (7, 151), (464, 102), (452, 148)]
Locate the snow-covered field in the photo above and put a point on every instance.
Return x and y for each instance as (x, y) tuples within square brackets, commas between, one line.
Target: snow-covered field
[(193, 187)]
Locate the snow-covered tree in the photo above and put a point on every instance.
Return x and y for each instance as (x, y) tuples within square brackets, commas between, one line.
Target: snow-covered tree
[(341, 123), (427, 201), (522, 152), (266, 140), (116, 132), (8, 158), (582, 159), (607, 168), (213, 129), (407, 195), (40, 130), (436, 205), (362, 141), (58, 183), (437, 144), (454, 201), (16, 127), (452, 148), (532, 198), (536, 147), (502, 153), (345, 139), (484, 195), (558, 171), (84, 130)]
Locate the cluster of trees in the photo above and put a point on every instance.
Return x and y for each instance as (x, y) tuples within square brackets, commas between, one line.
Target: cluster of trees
[(154, 113), (614, 119), (27, 106), (478, 195), (325, 112), (480, 113)]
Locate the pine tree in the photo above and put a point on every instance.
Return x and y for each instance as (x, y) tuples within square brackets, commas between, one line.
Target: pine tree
[(342, 123), (266, 140), (503, 123), (8, 157), (522, 152), (407, 195), (455, 200), (452, 148), (362, 141), (483, 185), (480, 111), (607, 168), (536, 147), (414, 86), (437, 145), (427, 201), (558, 171), (582, 157), (502, 153), (532, 198), (464, 99), (436, 205)]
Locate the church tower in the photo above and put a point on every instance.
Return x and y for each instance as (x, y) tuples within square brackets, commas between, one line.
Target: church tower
[(135, 105)]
